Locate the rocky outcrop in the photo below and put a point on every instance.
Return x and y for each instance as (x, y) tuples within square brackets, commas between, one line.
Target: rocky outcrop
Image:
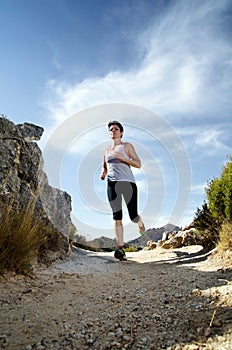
[(180, 239), (172, 243), (23, 180), (151, 245), (153, 234), (168, 237)]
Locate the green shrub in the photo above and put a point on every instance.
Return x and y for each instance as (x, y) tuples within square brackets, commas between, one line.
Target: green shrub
[(210, 219), (207, 227), (207, 238), (219, 194), (204, 220), (130, 249)]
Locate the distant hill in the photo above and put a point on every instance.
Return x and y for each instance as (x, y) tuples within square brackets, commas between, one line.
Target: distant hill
[(154, 234), (102, 242)]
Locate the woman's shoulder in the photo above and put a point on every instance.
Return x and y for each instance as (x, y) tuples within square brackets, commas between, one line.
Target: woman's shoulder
[(128, 145), (106, 150)]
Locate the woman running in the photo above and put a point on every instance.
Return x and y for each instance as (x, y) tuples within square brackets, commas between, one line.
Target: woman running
[(118, 159)]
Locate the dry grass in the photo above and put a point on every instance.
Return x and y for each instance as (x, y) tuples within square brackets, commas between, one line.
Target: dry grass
[(225, 237), (20, 239), (224, 246)]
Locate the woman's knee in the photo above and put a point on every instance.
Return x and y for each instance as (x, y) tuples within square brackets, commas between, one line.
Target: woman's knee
[(118, 222), (117, 216), (135, 218)]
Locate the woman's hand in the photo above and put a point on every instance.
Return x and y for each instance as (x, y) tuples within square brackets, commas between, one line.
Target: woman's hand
[(119, 156), (102, 176), (104, 169), (133, 160)]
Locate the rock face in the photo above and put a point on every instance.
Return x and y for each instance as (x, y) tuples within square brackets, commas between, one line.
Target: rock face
[(168, 237), (180, 239), (173, 242), (22, 179)]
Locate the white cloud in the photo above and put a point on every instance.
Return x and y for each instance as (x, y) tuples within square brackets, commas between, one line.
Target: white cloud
[(198, 189), (176, 74), (213, 140), (210, 141)]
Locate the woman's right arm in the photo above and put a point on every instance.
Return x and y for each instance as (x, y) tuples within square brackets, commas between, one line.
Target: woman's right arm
[(104, 169)]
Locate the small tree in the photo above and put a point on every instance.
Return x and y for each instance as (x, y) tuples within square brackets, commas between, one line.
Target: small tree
[(226, 179), (203, 219), (207, 226), (219, 194), (218, 208), (216, 199)]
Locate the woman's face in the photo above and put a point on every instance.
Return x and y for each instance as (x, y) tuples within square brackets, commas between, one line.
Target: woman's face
[(115, 132)]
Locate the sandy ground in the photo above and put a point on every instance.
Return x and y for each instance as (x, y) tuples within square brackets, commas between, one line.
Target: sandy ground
[(161, 299)]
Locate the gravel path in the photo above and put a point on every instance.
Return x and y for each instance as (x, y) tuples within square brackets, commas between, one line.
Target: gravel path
[(175, 299)]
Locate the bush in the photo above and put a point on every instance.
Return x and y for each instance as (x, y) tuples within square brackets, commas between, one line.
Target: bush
[(21, 236), (204, 220), (210, 219), (225, 234), (130, 249), (206, 238), (219, 194), (80, 238), (207, 227)]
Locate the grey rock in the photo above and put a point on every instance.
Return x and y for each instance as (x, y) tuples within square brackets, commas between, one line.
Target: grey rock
[(30, 132), (28, 347), (23, 181), (4, 341)]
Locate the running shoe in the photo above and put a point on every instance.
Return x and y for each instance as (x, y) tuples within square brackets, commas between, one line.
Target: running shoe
[(120, 254)]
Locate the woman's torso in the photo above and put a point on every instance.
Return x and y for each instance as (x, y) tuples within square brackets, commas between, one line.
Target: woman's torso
[(116, 169)]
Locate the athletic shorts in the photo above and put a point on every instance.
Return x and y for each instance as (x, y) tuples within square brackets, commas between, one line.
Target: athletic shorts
[(116, 190)]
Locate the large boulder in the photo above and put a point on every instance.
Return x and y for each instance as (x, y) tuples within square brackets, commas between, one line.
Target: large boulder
[(151, 245), (23, 181), (181, 239), (173, 242)]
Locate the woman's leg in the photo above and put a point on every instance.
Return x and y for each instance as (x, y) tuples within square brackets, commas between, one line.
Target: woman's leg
[(115, 200), (141, 226), (118, 230), (131, 198)]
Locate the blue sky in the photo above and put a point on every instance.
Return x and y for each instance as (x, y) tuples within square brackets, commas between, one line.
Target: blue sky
[(163, 68)]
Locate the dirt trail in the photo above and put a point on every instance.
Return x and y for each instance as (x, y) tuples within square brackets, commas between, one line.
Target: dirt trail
[(176, 299)]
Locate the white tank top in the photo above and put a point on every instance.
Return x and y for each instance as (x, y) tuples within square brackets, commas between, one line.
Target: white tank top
[(117, 170)]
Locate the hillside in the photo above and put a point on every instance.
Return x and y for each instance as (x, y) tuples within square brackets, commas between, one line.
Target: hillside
[(102, 242)]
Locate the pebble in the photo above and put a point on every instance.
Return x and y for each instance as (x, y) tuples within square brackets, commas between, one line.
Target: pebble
[(4, 341)]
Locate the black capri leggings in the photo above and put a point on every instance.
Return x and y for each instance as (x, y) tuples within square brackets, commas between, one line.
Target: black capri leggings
[(128, 190)]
